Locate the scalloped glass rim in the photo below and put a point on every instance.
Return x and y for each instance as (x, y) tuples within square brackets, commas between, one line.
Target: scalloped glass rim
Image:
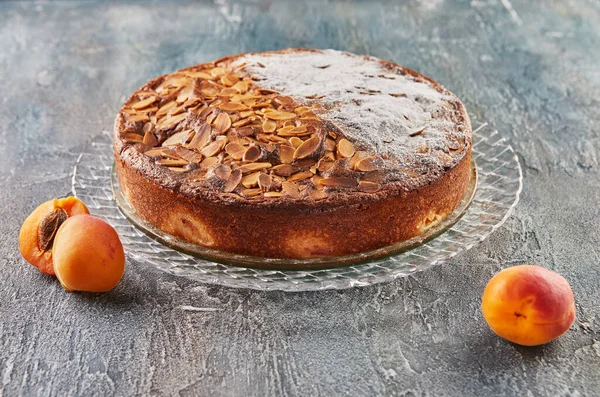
[(498, 189)]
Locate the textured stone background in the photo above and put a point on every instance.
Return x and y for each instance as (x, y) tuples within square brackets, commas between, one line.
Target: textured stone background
[(529, 68)]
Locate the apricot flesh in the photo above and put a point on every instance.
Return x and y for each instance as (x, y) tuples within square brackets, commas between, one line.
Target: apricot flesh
[(88, 255), (39, 230), (528, 305)]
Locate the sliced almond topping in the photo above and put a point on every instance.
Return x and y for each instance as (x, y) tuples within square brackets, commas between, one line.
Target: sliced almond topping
[(200, 75), (148, 127), (241, 87), (286, 154), (148, 110), (171, 162), (280, 115), (283, 131), (132, 118), (246, 131), (177, 81), (210, 92), (241, 123), (209, 162), (170, 153), (355, 159), (176, 138), (295, 141), (217, 72), (154, 152), (338, 181), (144, 103), (369, 187), (292, 130), (129, 111), (272, 194), (222, 123), (329, 145), (299, 176), (212, 148), (252, 167), (317, 194), (250, 192), (234, 137), (164, 109), (188, 155), (205, 112), (230, 79), (269, 126), (133, 137), (315, 181), (233, 107), (265, 181), (366, 164), (233, 181), (191, 102), (324, 165), (222, 171), (284, 169), (251, 180), (235, 150), (168, 122), (201, 138), (345, 149), (417, 131), (176, 111), (300, 129), (307, 148), (291, 189), (252, 154), (184, 94)]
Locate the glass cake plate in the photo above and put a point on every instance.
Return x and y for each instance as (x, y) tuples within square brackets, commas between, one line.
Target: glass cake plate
[(492, 195)]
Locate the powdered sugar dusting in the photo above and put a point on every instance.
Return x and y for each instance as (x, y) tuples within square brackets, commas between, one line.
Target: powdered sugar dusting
[(371, 104)]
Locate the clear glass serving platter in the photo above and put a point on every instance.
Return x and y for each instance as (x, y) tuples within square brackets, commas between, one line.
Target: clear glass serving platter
[(493, 193)]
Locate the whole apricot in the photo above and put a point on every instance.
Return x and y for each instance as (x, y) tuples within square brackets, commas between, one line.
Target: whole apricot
[(38, 232), (88, 255), (528, 305)]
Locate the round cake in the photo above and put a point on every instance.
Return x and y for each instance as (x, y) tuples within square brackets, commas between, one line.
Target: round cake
[(298, 153)]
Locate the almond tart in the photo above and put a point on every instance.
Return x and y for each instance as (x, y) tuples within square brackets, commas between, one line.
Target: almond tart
[(298, 153)]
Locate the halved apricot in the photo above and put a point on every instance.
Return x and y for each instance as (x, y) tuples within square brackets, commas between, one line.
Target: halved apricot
[(39, 230)]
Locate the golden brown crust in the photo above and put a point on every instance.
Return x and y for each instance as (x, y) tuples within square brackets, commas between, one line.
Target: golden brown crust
[(295, 232), (346, 208)]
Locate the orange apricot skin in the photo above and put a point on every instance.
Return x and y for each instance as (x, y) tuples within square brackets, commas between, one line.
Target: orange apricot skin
[(88, 255), (28, 236), (528, 305)]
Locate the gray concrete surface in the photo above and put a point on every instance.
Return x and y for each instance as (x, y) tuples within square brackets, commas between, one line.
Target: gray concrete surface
[(529, 68)]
